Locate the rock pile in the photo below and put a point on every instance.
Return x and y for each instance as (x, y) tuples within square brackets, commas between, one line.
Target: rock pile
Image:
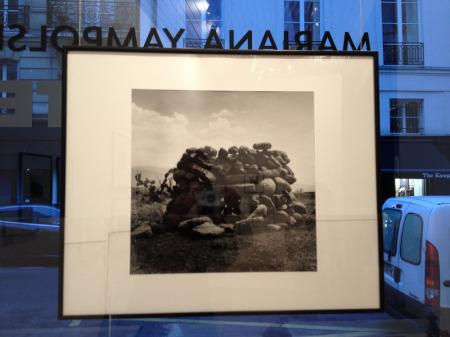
[(239, 190)]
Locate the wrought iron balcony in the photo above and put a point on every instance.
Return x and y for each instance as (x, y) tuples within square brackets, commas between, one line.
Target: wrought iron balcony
[(120, 15), (198, 43), (408, 131), (403, 54), (11, 15)]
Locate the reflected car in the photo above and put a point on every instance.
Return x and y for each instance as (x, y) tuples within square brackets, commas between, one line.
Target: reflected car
[(29, 235), (416, 235)]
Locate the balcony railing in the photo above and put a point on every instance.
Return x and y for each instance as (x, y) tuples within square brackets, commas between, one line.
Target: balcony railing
[(120, 15), (403, 54), (12, 15), (407, 131), (198, 43)]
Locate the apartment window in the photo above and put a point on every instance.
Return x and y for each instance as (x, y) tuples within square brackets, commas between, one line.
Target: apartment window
[(119, 14), (9, 12), (202, 16), (410, 21), (302, 15), (401, 32), (292, 17), (405, 116), (390, 21), (213, 16), (8, 72)]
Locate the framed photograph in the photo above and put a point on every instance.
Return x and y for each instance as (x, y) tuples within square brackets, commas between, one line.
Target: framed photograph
[(219, 182)]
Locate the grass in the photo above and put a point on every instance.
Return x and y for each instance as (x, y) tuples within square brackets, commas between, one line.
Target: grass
[(288, 250), (171, 252)]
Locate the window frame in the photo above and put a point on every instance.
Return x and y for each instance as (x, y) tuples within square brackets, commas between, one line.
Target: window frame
[(399, 23), (8, 19), (423, 181), (302, 22), (201, 19), (401, 106), (4, 77), (420, 241)]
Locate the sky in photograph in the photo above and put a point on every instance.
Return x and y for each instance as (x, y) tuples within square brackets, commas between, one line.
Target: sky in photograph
[(167, 122)]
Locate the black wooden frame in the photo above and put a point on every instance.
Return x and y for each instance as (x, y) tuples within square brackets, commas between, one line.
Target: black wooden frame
[(292, 53)]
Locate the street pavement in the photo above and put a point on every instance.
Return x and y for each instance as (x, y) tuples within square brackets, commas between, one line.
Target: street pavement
[(29, 298)]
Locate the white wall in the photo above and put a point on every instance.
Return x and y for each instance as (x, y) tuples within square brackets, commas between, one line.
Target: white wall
[(435, 32), (255, 15), (170, 15), (433, 87), (430, 83)]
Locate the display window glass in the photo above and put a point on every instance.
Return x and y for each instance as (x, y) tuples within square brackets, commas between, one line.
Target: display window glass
[(413, 146)]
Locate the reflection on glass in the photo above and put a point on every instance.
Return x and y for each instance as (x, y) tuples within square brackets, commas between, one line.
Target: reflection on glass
[(36, 179), (409, 187)]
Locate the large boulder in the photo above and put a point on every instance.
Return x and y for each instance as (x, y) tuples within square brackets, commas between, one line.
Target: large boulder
[(222, 155), (267, 201), (274, 227), (179, 175), (200, 171), (264, 160), (233, 150), (267, 187), (269, 173), (209, 151), (262, 146), (281, 185), (228, 227), (259, 220), (178, 209), (245, 188), (247, 205), (208, 229), (300, 219), (280, 216), (251, 169), (144, 230), (290, 179), (250, 225), (188, 224), (242, 188), (282, 225), (243, 178), (261, 210), (298, 207)]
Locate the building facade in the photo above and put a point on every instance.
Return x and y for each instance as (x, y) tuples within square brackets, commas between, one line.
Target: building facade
[(414, 72), (30, 108)]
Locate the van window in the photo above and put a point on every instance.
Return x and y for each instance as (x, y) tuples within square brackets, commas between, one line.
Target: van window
[(391, 221), (412, 239)]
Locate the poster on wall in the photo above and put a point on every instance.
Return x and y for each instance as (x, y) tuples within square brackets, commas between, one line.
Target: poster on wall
[(206, 182)]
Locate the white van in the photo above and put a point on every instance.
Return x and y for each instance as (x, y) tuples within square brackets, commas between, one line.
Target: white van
[(416, 238)]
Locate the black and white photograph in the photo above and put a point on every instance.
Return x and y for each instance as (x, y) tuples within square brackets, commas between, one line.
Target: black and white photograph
[(222, 181)]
